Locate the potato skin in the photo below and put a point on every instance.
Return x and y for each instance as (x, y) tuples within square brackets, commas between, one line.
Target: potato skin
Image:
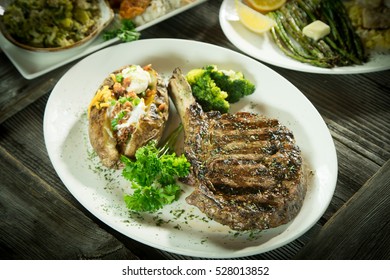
[(150, 126), (102, 142)]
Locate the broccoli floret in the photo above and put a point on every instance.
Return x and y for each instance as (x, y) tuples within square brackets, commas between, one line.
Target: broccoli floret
[(232, 82), (205, 91), (215, 89)]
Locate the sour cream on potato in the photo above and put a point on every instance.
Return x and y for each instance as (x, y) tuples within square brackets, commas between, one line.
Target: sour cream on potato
[(140, 79)]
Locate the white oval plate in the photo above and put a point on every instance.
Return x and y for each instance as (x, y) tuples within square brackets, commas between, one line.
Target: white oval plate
[(181, 228), (262, 47)]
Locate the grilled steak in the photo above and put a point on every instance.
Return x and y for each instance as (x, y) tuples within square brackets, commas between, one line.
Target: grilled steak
[(246, 168)]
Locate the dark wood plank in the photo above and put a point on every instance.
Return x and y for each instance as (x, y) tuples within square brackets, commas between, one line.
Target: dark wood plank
[(18, 92), (360, 229), (355, 108), (37, 223)]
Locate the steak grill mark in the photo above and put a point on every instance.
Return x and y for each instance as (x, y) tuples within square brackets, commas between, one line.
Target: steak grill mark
[(247, 168)]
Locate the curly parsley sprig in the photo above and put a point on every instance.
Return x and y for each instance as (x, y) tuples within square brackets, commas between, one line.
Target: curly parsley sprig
[(126, 32), (153, 175)]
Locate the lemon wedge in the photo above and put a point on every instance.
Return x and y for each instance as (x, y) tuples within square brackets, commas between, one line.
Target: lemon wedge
[(265, 5), (253, 20)]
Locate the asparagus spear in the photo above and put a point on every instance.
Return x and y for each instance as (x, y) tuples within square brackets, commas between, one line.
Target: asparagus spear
[(288, 48), (342, 47), (285, 37), (357, 42), (293, 29)]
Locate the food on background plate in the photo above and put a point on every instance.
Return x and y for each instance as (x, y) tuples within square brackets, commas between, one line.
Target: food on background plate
[(51, 24), (339, 47), (264, 6), (129, 109), (324, 33), (144, 11), (371, 20), (126, 32), (246, 169), (316, 30), (252, 19), (134, 13), (131, 8)]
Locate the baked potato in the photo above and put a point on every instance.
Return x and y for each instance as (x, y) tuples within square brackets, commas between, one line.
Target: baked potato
[(129, 109)]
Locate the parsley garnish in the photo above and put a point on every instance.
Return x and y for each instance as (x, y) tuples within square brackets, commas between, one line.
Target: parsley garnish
[(153, 175), (126, 32)]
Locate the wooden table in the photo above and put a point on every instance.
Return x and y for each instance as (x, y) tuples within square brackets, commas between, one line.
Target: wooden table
[(40, 219)]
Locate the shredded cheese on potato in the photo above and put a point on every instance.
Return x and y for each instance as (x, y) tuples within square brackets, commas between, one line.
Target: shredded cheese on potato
[(101, 99)]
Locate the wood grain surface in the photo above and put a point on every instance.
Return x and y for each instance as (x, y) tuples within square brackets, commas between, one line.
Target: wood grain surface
[(360, 228)]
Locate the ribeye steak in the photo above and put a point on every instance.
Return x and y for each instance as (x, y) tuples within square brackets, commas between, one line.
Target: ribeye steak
[(247, 169)]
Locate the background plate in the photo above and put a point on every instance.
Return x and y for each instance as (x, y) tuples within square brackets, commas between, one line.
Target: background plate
[(263, 48), (181, 228), (34, 64)]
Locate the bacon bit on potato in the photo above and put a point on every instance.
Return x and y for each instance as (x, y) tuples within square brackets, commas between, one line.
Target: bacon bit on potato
[(126, 82), (162, 107), (128, 105), (118, 88), (131, 94), (150, 92), (147, 67)]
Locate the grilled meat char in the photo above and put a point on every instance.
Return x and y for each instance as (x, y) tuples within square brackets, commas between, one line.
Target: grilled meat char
[(246, 168)]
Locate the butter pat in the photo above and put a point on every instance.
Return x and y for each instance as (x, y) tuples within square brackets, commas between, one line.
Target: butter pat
[(316, 30)]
